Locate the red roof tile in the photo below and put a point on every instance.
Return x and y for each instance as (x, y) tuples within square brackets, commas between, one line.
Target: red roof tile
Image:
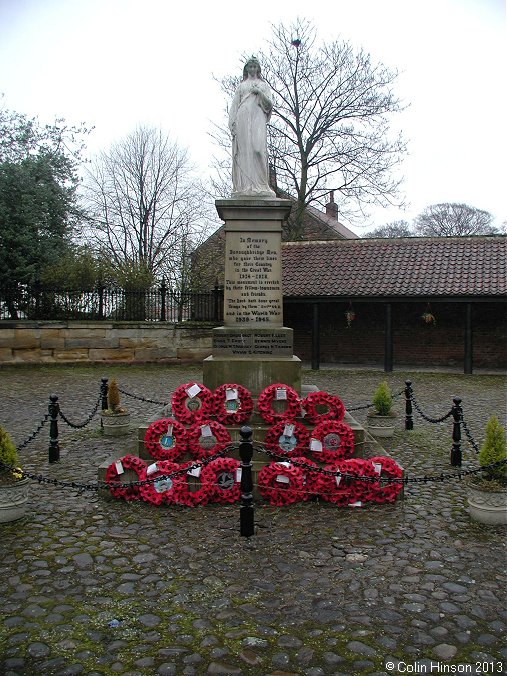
[(412, 266)]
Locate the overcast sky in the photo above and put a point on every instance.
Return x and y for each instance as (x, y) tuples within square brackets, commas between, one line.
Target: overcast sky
[(118, 63)]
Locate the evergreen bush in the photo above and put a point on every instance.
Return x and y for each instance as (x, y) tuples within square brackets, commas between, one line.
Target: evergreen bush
[(494, 449), (8, 456), (382, 399)]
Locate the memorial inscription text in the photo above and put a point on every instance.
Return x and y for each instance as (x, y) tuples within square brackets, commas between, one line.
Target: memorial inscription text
[(251, 343), (253, 285)]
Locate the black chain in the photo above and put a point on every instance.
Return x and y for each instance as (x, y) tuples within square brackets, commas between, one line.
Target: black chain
[(33, 434), (365, 406), (427, 418), (404, 480), (470, 438), (104, 484), (320, 470), (150, 401), (77, 426), (359, 408), (202, 463)]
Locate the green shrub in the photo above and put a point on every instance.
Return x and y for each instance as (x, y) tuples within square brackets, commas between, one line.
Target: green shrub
[(382, 399), (494, 449), (8, 455)]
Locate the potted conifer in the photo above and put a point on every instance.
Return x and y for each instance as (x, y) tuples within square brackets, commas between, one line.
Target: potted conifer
[(381, 419), (487, 491), (115, 418), (13, 485)]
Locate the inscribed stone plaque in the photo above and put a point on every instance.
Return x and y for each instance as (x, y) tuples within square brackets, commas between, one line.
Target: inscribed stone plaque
[(253, 279), (251, 341)]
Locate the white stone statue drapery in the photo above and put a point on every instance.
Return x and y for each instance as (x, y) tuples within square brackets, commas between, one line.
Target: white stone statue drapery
[(248, 118)]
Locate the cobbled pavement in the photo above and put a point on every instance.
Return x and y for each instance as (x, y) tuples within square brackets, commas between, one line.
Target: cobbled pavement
[(413, 587)]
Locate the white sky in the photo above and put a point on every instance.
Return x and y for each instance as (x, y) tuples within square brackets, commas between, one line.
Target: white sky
[(117, 63)]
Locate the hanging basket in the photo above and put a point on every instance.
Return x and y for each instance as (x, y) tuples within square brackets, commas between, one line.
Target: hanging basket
[(428, 318)]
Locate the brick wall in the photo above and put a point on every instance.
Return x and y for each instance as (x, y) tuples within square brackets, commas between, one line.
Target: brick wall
[(414, 342)]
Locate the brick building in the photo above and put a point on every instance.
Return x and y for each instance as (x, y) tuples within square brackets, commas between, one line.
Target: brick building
[(389, 284)]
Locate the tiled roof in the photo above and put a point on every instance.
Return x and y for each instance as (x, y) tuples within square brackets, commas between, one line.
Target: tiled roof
[(411, 266)]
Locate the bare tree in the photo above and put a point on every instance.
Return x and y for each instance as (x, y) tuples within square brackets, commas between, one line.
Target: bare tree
[(330, 126), (393, 229), (453, 220), (146, 205)]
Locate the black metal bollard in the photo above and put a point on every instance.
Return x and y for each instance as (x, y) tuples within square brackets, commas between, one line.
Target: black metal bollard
[(246, 510), (54, 447), (409, 418), (103, 392), (457, 414), (104, 388)]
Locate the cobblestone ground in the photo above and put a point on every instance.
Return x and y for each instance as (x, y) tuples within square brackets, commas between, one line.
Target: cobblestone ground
[(318, 589)]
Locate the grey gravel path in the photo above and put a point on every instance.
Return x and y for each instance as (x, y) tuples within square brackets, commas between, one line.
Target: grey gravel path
[(318, 590)]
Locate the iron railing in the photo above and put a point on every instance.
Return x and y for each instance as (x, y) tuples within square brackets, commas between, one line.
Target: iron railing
[(160, 303)]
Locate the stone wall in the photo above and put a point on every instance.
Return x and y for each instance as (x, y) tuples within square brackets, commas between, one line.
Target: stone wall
[(413, 341), (126, 342)]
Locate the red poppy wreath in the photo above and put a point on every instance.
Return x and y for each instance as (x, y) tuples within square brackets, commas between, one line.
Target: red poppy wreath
[(287, 437), (281, 483), (221, 475), (206, 438), (331, 440), (233, 404), (385, 492), (310, 477), (279, 393), (342, 487), (333, 404), (161, 489), (192, 402), (188, 492), (119, 467), (166, 439)]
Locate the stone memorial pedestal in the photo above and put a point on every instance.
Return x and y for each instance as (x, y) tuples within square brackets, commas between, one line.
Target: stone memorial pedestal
[(253, 348)]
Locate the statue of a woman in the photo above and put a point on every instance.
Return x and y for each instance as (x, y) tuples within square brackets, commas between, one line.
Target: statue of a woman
[(248, 118)]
